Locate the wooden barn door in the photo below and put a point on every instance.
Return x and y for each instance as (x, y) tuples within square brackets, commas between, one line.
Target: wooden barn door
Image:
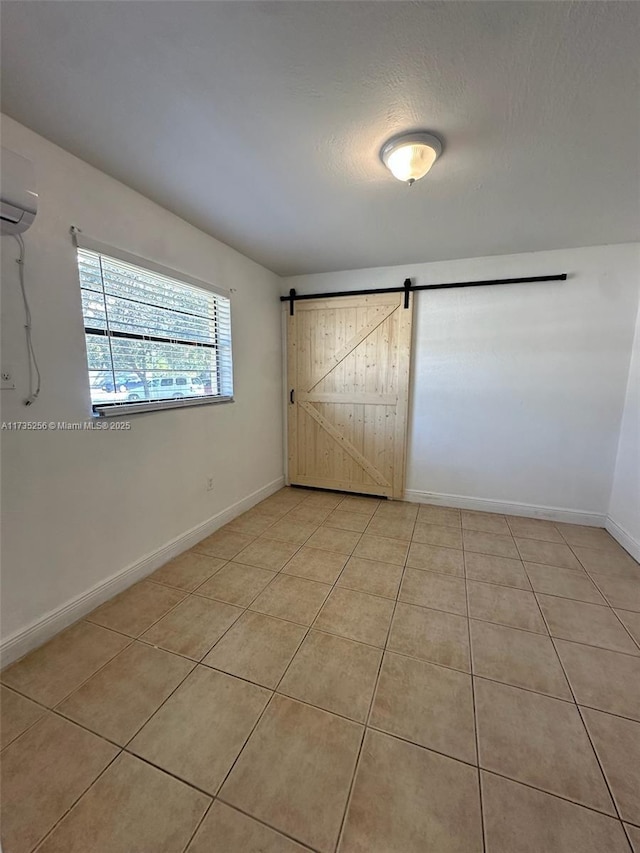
[(348, 374)]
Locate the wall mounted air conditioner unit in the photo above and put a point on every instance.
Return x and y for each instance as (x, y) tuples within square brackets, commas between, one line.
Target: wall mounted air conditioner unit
[(18, 196)]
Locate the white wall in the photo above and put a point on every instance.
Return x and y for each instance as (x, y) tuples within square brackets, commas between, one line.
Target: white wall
[(624, 505), (517, 390), (79, 507)]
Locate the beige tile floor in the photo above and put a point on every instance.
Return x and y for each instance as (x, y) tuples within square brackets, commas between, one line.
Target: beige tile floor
[(341, 673)]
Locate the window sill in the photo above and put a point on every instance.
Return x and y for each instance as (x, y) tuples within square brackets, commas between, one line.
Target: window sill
[(110, 410)]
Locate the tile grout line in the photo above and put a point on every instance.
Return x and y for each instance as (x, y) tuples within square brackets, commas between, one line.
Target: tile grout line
[(584, 726), (247, 607), (214, 798), (244, 745), (196, 661), (95, 672), (146, 643), (341, 716), (581, 715), (632, 654), (263, 822), (226, 776), (161, 705), (99, 669), (614, 611), (604, 775), (475, 714), (274, 691), (31, 725), (548, 793), (196, 664), (197, 826), (405, 655), (76, 801), (573, 694), (607, 603), (146, 578), (574, 698), (343, 822), (313, 621), (595, 752), (186, 595), (47, 710), (557, 594), (253, 537), (243, 607), (501, 775), (167, 772), (569, 701)]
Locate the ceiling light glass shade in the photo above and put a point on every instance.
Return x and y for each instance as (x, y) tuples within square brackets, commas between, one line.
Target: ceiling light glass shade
[(409, 157)]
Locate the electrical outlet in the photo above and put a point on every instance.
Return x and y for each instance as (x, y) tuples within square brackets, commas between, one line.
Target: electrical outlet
[(7, 381), (209, 484)]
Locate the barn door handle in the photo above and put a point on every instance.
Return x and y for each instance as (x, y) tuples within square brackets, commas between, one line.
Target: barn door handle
[(292, 396)]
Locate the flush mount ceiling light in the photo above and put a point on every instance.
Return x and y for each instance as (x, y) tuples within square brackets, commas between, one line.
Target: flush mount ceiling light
[(410, 156)]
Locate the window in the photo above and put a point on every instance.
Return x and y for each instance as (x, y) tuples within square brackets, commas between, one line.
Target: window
[(154, 339)]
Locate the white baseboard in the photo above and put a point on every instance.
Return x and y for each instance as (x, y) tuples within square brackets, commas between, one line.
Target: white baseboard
[(549, 513), (628, 542), (38, 632)]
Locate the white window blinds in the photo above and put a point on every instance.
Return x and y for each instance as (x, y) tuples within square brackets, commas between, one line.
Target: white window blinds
[(151, 338)]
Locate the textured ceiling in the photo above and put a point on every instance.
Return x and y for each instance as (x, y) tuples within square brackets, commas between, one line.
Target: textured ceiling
[(261, 122)]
